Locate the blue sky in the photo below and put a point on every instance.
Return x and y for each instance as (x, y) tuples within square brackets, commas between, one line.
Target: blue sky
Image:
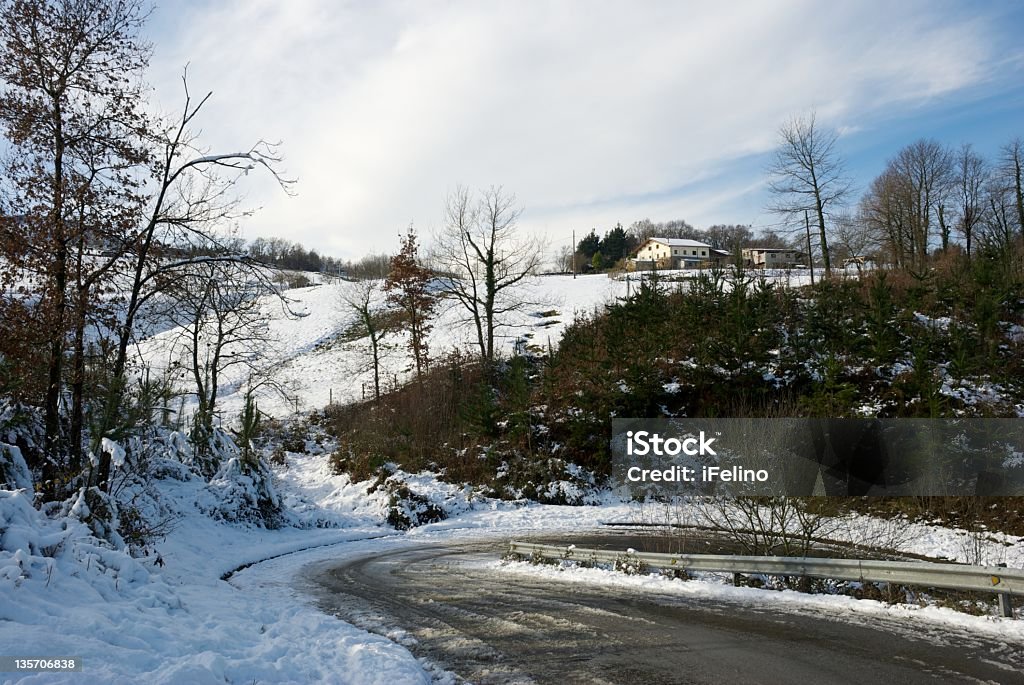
[(591, 112)]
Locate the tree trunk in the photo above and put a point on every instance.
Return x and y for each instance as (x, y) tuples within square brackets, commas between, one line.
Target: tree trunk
[(78, 382), (1020, 191), (489, 304), (55, 371), (943, 227)]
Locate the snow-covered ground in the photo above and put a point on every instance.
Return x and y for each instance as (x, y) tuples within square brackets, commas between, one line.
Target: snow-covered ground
[(172, 618), (133, 621), (177, 620)]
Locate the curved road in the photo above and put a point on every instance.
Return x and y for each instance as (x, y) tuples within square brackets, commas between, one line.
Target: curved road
[(489, 627)]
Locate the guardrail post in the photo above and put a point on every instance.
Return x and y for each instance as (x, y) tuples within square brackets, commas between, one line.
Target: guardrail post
[(736, 579), (1005, 605)]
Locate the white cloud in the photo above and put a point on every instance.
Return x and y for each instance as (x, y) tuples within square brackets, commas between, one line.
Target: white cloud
[(579, 108)]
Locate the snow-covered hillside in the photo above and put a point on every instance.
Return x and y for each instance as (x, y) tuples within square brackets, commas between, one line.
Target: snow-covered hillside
[(306, 355)]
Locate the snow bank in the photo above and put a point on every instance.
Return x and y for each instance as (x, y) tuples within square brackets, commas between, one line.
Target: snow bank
[(716, 587)]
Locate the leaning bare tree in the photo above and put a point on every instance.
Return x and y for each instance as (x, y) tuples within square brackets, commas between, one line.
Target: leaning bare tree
[(191, 198), (807, 177), (486, 260)]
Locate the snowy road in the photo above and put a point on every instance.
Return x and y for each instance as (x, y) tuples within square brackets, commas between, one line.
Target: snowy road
[(447, 603)]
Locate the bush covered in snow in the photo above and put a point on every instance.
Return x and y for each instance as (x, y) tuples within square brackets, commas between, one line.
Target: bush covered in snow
[(418, 499), (36, 550), (14, 473), (548, 481), (20, 430), (242, 491)]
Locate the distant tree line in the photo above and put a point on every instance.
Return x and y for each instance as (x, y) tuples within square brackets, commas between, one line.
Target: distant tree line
[(285, 254), (372, 267), (930, 200), (293, 256)]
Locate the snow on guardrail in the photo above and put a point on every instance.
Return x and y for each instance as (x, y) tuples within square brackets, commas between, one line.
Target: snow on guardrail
[(1002, 581)]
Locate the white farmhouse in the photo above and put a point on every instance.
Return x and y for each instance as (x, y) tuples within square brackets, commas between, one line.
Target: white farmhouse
[(675, 253), (772, 257)]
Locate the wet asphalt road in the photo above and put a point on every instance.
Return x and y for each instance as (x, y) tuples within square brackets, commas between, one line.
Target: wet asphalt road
[(489, 627)]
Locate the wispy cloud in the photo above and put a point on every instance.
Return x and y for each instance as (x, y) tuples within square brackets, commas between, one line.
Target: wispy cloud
[(588, 111)]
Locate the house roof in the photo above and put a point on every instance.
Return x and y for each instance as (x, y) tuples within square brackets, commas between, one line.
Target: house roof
[(679, 242), (772, 249)]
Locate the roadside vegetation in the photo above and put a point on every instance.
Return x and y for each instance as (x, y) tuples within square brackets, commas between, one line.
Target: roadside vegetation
[(729, 343)]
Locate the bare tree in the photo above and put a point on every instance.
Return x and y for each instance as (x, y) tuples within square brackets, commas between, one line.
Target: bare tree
[(808, 175), (908, 201), (734, 237), (883, 213), (998, 226), (372, 324), (970, 176), (923, 173), (1011, 163), (853, 239), (564, 257), (486, 260), (219, 307)]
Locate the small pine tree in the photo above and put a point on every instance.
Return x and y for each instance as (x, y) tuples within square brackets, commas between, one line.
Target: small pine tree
[(249, 428), (408, 288)]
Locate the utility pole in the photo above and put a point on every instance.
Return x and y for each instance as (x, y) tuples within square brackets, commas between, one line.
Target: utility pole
[(810, 257), (572, 254)]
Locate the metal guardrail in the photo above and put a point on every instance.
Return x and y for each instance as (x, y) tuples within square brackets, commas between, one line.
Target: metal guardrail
[(1002, 581)]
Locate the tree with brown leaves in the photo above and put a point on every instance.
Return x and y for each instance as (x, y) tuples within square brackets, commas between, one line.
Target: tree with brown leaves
[(72, 108), (408, 288)]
